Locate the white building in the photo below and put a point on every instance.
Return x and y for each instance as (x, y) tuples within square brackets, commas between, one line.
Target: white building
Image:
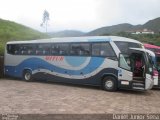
[(144, 31)]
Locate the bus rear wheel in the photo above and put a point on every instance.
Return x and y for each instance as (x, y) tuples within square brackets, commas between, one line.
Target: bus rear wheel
[(27, 75), (109, 84)]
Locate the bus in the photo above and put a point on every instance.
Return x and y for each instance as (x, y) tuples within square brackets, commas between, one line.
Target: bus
[(156, 60), (107, 61), (155, 74), (156, 50)]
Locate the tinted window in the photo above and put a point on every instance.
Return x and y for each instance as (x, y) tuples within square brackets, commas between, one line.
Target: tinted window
[(42, 49), (18, 49), (124, 46), (60, 49), (63, 49), (11, 49), (134, 45), (27, 49), (102, 49), (80, 49), (55, 49), (96, 47)]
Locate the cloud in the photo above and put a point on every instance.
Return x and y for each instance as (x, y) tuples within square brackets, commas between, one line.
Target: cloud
[(82, 15), (139, 11), (127, 11)]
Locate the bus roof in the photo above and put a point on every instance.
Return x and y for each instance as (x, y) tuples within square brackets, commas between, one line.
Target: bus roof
[(77, 39)]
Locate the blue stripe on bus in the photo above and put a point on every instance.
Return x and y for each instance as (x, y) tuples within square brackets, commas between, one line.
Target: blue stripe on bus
[(92, 80), (75, 61), (37, 63)]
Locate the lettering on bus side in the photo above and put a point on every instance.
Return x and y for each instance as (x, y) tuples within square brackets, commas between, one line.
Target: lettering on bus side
[(54, 58)]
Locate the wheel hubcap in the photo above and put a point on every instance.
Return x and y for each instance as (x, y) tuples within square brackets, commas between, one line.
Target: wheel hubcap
[(27, 76), (109, 84)]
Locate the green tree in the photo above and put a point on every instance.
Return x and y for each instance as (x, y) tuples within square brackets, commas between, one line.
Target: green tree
[(45, 19)]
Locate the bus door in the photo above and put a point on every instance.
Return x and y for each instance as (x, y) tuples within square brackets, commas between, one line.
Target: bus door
[(133, 70), (142, 68)]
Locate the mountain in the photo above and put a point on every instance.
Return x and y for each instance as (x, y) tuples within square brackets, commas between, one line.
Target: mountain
[(13, 31), (111, 29), (153, 25), (67, 33), (150, 25)]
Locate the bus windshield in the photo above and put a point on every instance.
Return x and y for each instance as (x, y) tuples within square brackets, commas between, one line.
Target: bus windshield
[(156, 50), (124, 46)]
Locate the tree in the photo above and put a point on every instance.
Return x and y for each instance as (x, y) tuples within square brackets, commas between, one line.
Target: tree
[(45, 19)]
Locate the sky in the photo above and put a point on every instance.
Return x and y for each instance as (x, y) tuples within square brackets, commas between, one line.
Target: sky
[(83, 15)]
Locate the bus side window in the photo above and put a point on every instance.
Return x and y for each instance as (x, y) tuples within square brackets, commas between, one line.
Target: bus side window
[(24, 50), (74, 49), (55, 49), (102, 49), (80, 49), (85, 49), (31, 49), (11, 49), (43, 49), (63, 49), (46, 49), (17, 49), (96, 49), (106, 50)]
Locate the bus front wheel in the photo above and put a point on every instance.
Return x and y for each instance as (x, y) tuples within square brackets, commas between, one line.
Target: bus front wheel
[(27, 75), (109, 84)]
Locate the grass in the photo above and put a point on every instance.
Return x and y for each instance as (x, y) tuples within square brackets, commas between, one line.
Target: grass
[(11, 31)]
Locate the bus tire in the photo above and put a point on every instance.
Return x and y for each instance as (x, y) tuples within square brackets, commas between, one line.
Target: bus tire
[(27, 75), (109, 84)]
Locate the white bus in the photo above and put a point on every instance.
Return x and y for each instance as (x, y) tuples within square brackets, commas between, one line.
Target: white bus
[(107, 61)]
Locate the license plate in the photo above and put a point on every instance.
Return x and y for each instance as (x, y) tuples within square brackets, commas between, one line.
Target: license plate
[(124, 82)]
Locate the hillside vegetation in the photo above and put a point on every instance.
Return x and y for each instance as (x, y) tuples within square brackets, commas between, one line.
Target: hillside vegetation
[(122, 30), (10, 31), (144, 38), (150, 25)]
